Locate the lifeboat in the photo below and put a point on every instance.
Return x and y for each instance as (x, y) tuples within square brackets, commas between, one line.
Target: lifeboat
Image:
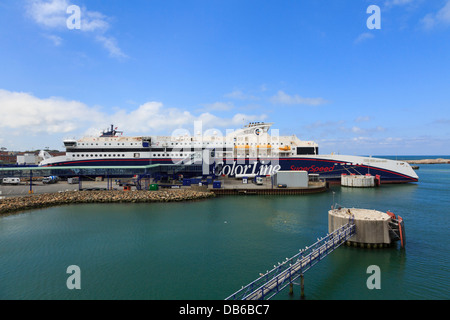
[(285, 148)]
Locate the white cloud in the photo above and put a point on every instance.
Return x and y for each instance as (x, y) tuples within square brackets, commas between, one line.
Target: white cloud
[(52, 15), (441, 18), (25, 118), (55, 39), (239, 95), (362, 119), (283, 98), (364, 36), (218, 106), (153, 117), (25, 112), (397, 2), (92, 21), (366, 131), (110, 44)]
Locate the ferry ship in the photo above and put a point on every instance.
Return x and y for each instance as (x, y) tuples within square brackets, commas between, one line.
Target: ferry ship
[(249, 151)]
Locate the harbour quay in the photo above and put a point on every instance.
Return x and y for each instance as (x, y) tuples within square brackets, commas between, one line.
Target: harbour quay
[(159, 177), (233, 186)]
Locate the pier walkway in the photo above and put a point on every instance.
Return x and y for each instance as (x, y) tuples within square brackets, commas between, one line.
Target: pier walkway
[(285, 273)]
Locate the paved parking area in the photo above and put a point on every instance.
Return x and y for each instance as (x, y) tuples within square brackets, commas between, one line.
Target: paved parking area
[(38, 187)]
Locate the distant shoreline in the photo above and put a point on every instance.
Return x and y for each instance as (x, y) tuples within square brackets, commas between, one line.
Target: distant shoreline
[(428, 161)]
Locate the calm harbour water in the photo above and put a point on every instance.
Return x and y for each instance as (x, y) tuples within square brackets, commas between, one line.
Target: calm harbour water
[(209, 249)]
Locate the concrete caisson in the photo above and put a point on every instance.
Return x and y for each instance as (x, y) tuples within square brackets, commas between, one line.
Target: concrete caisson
[(357, 181), (372, 227)]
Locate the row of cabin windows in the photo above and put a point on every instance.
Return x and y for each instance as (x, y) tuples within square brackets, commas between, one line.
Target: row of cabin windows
[(186, 144), (97, 155), (171, 155), (238, 144), (136, 155), (118, 143), (255, 144)]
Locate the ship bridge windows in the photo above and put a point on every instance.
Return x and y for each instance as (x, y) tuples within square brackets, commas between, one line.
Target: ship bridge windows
[(70, 143), (307, 150)]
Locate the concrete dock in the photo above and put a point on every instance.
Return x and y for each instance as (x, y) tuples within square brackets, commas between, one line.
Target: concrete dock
[(358, 181), (232, 186), (373, 228)]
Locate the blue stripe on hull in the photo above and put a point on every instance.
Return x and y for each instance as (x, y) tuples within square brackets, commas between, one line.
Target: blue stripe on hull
[(327, 169)]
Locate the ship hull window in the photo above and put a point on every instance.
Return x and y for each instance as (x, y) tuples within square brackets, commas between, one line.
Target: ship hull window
[(307, 150), (137, 155)]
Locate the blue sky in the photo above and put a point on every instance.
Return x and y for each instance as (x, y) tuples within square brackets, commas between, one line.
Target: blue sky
[(313, 68)]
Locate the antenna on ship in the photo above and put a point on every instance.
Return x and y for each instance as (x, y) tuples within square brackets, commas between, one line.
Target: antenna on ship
[(111, 132)]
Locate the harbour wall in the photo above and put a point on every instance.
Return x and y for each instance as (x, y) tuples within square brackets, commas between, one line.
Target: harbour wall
[(428, 161), (17, 204)]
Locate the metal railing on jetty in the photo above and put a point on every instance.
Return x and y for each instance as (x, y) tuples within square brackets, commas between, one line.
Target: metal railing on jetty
[(275, 280)]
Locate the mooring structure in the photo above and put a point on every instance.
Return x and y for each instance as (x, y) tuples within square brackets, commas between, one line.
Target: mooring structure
[(285, 273)]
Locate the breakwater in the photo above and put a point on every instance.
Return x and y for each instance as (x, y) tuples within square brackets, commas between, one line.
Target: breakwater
[(428, 161), (12, 205)]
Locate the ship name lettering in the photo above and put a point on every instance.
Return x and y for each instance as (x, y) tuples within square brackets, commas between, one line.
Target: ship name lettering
[(239, 169), (313, 168)]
